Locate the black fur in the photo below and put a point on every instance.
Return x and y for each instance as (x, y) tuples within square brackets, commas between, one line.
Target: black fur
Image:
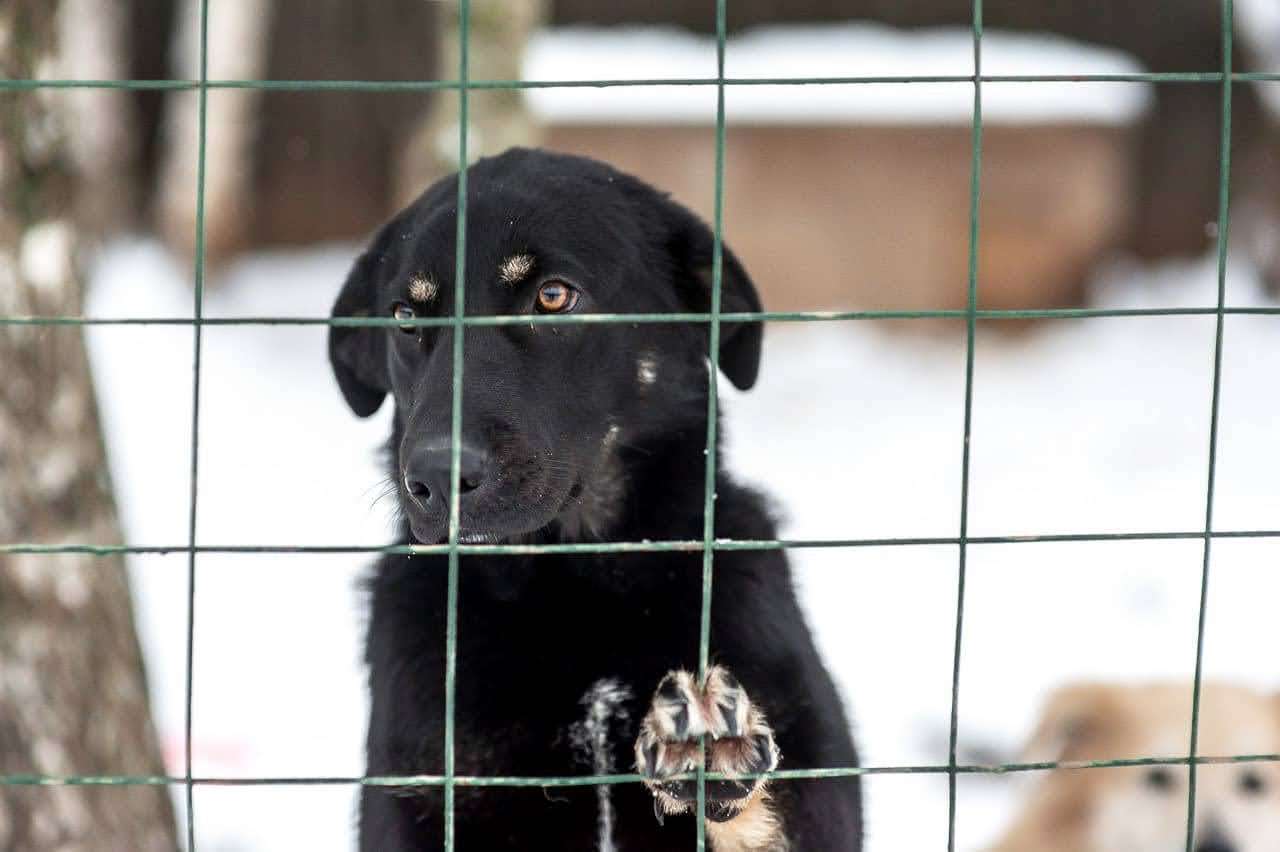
[(536, 632)]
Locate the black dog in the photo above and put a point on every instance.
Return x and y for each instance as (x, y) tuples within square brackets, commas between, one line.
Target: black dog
[(577, 433)]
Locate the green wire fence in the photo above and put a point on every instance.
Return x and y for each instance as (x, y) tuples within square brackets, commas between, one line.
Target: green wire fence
[(709, 545)]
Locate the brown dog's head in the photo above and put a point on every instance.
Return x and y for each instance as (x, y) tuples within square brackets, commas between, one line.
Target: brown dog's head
[(1144, 808)]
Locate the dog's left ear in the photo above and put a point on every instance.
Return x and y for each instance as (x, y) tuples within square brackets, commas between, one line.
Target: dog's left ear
[(692, 246), (357, 354)]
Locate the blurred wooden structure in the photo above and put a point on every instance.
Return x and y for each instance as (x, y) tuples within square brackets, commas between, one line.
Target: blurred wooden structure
[(285, 167), (877, 217), (1176, 184), (496, 119), (289, 168)]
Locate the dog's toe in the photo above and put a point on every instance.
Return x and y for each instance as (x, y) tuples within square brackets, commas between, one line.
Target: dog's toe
[(739, 742), (676, 711)]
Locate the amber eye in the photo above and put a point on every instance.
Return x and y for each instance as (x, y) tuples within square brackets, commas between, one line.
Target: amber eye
[(556, 297), (404, 313)]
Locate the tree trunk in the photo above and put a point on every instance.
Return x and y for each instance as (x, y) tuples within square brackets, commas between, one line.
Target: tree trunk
[(497, 118), (282, 168), (73, 696)]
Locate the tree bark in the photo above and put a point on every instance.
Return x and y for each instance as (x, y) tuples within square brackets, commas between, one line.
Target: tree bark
[(497, 118), (286, 168), (73, 695)]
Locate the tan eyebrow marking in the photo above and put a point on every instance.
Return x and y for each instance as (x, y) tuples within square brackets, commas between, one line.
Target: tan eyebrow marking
[(422, 288), (515, 268)]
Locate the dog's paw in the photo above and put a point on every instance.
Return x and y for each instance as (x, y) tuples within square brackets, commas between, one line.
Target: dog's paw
[(739, 742)]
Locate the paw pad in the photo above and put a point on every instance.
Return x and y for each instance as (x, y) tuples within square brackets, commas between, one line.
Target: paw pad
[(739, 742)]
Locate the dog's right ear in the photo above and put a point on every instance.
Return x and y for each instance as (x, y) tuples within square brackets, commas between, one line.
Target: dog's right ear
[(358, 354), (1075, 723), (692, 245)]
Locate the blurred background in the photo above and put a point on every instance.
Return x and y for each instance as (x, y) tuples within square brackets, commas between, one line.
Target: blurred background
[(836, 196)]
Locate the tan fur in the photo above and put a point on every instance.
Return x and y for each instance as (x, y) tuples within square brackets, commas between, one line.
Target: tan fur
[(1114, 809), (422, 289), (754, 829), (515, 268), (595, 508)]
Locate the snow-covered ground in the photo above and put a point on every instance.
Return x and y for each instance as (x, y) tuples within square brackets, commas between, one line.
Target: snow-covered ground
[(1081, 426)]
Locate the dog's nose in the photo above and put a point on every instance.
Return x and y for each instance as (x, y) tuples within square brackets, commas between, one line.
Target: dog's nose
[(427, 470)]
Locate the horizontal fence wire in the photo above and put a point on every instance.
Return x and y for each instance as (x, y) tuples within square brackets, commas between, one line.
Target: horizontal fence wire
[(1171, 77), (587, 548), (671, 318), (454, 548), (552, 781)]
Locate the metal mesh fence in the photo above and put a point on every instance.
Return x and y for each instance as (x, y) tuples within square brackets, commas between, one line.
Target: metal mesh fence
[(709, 545)]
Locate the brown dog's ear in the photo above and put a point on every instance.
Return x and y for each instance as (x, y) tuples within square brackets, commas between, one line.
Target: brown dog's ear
[(1076, 722), (692, 246), (358, 354)]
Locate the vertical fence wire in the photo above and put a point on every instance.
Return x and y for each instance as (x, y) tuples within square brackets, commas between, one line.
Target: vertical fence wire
[(971, 329), (1223, 235), (202, 95), (709, 451), (455, 435)]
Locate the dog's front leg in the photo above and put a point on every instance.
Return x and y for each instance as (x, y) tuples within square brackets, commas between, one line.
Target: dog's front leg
[(739, 742)]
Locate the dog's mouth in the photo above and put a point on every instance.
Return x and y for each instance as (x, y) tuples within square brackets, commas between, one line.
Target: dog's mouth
[(507, 533), (468, 538)]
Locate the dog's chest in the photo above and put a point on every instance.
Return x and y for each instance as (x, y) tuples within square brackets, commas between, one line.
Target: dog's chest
[(551, 670), (554, 679)]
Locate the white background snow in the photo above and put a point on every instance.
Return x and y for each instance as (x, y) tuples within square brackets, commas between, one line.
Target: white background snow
[(850, 50), (1080, 426)]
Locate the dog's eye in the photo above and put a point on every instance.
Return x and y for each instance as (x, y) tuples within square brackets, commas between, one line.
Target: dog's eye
[(1159, 778), (404, 313), (556, 297), (1252, 783)]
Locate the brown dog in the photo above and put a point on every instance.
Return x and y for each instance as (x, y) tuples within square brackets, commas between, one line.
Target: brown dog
[(1144, 808)]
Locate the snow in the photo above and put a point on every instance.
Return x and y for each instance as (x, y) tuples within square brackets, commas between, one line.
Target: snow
[(1259, 22), (1080, 426), (845, 50), (278, 690), (1085, 426)]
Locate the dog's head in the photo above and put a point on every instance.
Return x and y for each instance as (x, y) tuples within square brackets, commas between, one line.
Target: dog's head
[(547, 408), (1144, 808)]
